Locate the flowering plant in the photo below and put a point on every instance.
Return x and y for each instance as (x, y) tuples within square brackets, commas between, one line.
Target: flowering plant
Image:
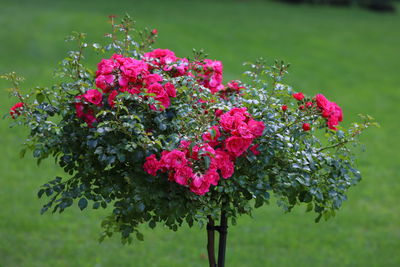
[(163, 140)]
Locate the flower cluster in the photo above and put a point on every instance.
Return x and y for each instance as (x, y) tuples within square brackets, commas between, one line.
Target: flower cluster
[(220, 146), (210, 75), (329, 110), (166, 60), (125, 74)]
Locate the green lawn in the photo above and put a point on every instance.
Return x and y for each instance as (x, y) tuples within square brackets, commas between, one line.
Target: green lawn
[(350, 55)]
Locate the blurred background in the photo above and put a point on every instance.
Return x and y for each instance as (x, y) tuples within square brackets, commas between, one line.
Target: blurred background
[(347, 52)]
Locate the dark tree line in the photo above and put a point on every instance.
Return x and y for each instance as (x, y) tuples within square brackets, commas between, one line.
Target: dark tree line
[(377, 5)]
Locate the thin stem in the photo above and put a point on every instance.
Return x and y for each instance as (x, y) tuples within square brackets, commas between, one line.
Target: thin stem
[(334, 145)]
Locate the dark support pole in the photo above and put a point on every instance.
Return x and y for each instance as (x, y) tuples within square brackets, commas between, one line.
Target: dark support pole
[(210, 242), (223, 231)]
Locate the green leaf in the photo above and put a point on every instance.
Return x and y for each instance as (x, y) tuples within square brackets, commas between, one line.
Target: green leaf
[(40, 193), (152, 224), (40, 97), (82, 204), (139, 236)]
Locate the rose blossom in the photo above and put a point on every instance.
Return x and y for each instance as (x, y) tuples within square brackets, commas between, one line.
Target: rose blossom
[(151, 166), (306, 127), (237, 145), (234, 85), (111, 98), (256, 127), (199, 185), (212, 138), (105, 82), (183, 174), (299, 96), (16, 109), (93, 96), (223, 162), (253, 149), (212, 176), (170, 89), (174, 159)]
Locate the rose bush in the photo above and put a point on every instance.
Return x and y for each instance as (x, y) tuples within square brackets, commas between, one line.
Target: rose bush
[(163, 140)]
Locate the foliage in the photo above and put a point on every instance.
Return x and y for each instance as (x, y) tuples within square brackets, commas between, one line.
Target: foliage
[(108, 142)]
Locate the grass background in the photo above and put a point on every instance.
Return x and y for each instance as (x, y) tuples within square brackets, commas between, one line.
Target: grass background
[(350, 55)]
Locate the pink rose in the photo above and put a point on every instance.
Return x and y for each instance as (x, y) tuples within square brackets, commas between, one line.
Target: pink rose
[(156, 89), (89, 118), (183, 174), (106, 66), (237, 145), (223, 162), (199, 185), (170, 89), (173, 160), (234, 85), (105, 82), (111, 98), (256, 127), (160, 56), (230, 120), (322, 102), (152, 78), (151, 165), (93, 96), (212, 135), (132, 68), (211, 177), (243, 130)]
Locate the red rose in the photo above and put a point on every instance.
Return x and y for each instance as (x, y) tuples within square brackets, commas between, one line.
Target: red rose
[(284, 107), (170, 89), (237, 145), (223, 162), (299, 96), (199, 185), (111, 98), (256, 127), (16, 109), (182, 175), (253, 149), (151, 165), (306, 127), (93, 96)]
